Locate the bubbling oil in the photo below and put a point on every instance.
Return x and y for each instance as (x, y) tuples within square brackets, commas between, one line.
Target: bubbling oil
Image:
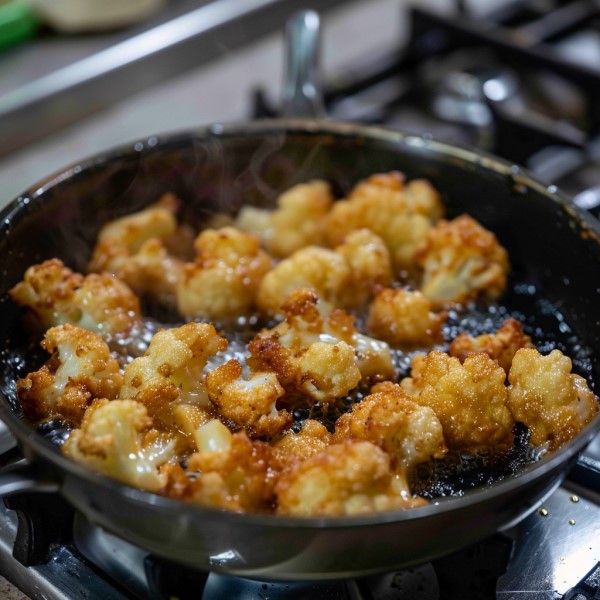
[(451, 476)]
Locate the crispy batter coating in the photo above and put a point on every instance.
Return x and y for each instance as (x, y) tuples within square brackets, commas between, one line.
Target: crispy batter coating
[(347, 276), (298, 220), (135, 248), (292, 448), (53, 294), (404, 318), (248, 402), (318, 353), (171, 371), (389, 417), (461, 261), (552, 402), (80, 370), (470, 399), (117, 439), (223, 281), (344, 479), (370, 264), (237, 476), (400, 213), (501, 345), (324, 270)]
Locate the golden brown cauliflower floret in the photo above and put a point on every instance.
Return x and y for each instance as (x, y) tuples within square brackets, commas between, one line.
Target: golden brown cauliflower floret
[(298, 220), (390, 418), (80, 370), (400, 213), (53, 294), (248, 402), (235, 475), (347, 276), (324, 270), (135, 248), (171, 372), (223, 281), (117, 439), (404, 318), (461, 261), (552, 402), (370, 264), (344, 479), (292, 447), (501, 345), (317, 353), (470, 399)]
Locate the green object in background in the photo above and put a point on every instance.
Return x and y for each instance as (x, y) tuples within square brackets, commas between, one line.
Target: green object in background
[(17, 23)]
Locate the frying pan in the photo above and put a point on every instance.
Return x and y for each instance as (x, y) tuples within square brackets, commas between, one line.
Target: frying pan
[(554, 249)]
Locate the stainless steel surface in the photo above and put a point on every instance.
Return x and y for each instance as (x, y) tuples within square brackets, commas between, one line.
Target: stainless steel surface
[(106, 69), (557, 546)]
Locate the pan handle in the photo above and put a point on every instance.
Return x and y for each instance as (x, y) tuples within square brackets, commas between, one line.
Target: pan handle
[(302, 94), (22, 476)]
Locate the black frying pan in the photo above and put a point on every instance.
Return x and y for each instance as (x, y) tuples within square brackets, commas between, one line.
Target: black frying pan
[(553, 246)]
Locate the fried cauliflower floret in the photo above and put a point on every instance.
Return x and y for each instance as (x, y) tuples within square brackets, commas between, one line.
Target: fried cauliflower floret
[(80, 370), (324, 270), (117, 439), (135, 248), (225, 277), (391, 419), (469, 399), (347, 276), (370, 264), (248, 402), (404, 318), (501, 345), (53, 294), (293, 447), (317, 352), (235, 475), (298, 220), (344, 479), (552, 402), (461, 261), (171, 372), (400, 213)]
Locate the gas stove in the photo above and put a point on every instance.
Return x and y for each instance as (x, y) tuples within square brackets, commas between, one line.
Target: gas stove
[(522, 82)]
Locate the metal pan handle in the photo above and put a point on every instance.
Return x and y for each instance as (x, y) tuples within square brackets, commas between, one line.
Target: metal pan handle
[(302, 93), (23, 476)]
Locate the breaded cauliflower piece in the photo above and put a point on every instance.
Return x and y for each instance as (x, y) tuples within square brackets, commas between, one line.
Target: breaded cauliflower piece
[(117, 439), (461, 261), (501, 345), (298, 220), (344, 479), (318, 353), (400, 213), (53, 294), (324, 270), (370, 264), (292, 447), (470, 399), (171, 372), (347, 276), (80, 370), (389, 417), (235, 476), (224, 280), (552, 402), (135, 248), (404, 318), (248, 402)]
